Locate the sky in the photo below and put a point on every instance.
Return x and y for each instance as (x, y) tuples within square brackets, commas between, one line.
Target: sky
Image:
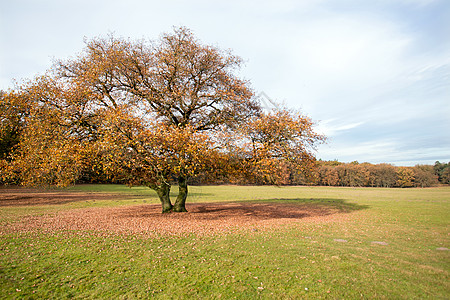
[(374, 75)]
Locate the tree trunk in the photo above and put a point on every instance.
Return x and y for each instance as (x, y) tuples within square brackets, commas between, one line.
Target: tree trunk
[(180, 203), (163, 192)]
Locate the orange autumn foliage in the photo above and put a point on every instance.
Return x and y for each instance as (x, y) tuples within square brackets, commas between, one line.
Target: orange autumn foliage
[(156, 114)]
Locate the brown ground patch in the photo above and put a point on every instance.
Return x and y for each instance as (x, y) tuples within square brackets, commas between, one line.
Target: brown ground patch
[(202, 218), (32, 197)]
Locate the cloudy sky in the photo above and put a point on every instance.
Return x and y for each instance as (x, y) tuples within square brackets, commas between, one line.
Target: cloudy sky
[(374, 74)]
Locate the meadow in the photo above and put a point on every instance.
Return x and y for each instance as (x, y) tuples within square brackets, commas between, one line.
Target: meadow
[(344, 243)]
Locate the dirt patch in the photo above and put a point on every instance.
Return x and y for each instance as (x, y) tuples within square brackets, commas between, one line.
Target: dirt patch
[(33, 197)]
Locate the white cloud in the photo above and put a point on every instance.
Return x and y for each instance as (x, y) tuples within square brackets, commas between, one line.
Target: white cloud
[(383, 151), (333, 126), (347, 56)]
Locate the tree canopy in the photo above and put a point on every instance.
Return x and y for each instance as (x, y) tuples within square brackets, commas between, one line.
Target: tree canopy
[(153, 113)]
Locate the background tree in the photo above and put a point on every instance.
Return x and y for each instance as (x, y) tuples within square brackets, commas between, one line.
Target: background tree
[(13, 110), (424, 176), (329, 176), (405, 177), (385, 175), (445, 177), (355, 175), (442, 170)]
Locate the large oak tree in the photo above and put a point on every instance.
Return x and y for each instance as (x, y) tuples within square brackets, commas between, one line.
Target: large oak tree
[(177, 81), (154, 113)]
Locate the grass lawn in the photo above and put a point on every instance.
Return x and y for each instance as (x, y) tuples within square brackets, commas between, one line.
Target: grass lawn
[(384, 244)]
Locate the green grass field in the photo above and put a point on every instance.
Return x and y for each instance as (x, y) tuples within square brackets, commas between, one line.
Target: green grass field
[(324, 259)]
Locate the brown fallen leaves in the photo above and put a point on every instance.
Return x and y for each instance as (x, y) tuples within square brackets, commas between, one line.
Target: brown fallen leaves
[(202, 219)]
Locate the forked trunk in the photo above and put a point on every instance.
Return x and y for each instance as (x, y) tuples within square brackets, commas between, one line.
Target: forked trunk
[(180, 203), (163, 192)]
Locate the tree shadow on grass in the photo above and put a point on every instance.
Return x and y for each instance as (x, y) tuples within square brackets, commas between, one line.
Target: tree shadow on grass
[(274, 208), (338, 204), (249, 210)]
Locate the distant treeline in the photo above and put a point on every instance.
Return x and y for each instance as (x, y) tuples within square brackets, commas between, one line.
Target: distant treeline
[(354, 174), (333, 173)]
